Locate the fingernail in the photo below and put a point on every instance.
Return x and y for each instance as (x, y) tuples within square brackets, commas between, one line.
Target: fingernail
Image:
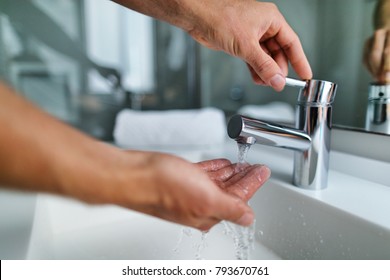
[(277, 82), (246, 219), (265, 173), (387, 77)]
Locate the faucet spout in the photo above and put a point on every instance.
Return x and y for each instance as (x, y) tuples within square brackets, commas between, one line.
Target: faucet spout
[(310, 138), (244, 129)]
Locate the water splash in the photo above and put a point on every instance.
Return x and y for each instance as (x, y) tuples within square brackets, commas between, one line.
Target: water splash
[(243, 238), (201, 245), (184, 232)]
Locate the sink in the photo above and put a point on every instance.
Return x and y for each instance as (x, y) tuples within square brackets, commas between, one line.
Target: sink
[(16, 221), (348, 220), (304, 227), (66, 229)]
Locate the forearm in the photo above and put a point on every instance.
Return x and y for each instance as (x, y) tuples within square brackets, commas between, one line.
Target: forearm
[(200, 18), (19, 148), (254, 31), (177, 12), (40, 153)]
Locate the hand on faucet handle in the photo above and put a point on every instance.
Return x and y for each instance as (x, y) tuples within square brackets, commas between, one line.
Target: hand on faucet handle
[(377, 48), (377, 55)]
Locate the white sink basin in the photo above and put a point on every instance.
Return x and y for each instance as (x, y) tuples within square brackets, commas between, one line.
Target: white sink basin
[(76, 231), (349, 220), (304, 227), (16, 220)]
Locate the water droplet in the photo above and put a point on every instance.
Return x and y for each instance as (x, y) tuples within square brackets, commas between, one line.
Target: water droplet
[(188, 232)]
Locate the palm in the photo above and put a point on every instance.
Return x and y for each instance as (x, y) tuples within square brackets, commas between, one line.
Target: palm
[(241, 180)]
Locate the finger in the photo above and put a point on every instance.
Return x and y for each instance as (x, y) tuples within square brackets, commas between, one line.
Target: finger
[(274, 51), (366, 55), (222, 207), (264, 48), (386, 53), (240, 175), (266, 68), (278, 55), (288, 40), (233, 209), (245, 185), (387, 77), (214, 164), (224, 174), (203, 223), (376, 53), (385, 74), (206, 224), (256, 79)]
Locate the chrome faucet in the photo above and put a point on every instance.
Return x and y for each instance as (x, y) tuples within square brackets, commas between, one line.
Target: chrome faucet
[(310, 138), (378, 108)]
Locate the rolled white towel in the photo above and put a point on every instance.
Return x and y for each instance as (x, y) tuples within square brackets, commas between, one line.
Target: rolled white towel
[(274, 111), (200, 128)]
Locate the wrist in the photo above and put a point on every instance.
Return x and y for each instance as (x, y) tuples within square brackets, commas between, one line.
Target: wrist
[(103, 174)]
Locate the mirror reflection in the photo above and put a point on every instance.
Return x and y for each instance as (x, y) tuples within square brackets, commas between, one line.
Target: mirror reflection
[(84, 67), (334, 35)]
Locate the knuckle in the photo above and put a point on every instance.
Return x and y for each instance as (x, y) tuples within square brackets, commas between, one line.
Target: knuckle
[(262, 67), (272, 7)]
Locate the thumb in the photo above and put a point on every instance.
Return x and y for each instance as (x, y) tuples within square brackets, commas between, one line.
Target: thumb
[(267, 69)]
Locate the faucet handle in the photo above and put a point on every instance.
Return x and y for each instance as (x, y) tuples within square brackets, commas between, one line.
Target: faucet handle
[(295, 83), (318, 93), (314, 91)]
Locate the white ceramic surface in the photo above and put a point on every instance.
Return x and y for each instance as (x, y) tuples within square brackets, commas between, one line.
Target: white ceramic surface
[(17, 211), (348, 220)]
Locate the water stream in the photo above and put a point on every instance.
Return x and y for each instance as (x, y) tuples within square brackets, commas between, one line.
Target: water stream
[(243, 237)]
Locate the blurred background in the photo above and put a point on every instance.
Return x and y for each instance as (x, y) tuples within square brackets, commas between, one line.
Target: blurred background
[(85, 60)]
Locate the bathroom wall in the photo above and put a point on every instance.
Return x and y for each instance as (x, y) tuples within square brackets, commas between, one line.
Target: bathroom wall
[(42, 74), (170, 71)]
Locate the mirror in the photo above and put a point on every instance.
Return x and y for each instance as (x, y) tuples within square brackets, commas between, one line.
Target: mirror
[(160, 67), (333, 34)]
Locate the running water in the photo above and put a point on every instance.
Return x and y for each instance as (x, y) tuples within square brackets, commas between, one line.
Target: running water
[(184, 231), (243, 149), (201, 246), (243, 237)]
